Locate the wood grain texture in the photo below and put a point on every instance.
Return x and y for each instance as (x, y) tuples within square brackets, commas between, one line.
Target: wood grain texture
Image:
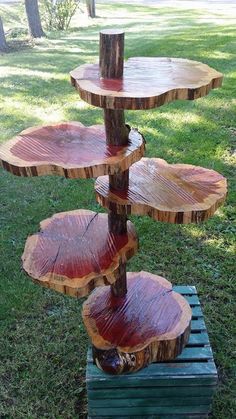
[(147, 82), (74, 252), (174, 193), (69, 149), (150, 323)]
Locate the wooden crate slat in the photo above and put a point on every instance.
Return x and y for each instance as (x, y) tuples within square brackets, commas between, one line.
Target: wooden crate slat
[(163, 374), (198, 325), (198, 354), (152, 402), (196, 311), (157, 392), (208, 380), (193, 300), (194, 416), (200, 339), (185, 289), (133, 411)]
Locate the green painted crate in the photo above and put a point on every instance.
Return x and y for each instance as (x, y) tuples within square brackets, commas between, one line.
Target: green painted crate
[(182, 388)]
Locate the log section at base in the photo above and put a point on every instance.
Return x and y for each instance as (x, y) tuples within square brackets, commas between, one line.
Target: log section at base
[(147, 82), (69, 149), (150, 323), (173, 193), (74, 252)]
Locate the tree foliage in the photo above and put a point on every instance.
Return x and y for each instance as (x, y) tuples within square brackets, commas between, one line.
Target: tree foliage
[(58, 13)]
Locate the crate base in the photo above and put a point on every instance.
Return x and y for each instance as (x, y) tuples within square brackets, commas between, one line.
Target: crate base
[(182, 388)]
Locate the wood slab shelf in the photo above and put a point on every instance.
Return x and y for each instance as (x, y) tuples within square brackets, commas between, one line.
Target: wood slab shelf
[(182, 388), (147, 82), (69, 149), (174, 193), (150, 323), (74, 252)]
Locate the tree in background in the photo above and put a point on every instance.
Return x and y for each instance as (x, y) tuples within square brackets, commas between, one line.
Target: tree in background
[(58, 13), (3, 42), (91, 8), (33, 16)]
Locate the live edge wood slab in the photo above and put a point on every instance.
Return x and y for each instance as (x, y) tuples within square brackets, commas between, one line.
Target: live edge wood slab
[(178, 389), (74, 252), (173, 193), (69, 149), (150, 323), (147, 82)]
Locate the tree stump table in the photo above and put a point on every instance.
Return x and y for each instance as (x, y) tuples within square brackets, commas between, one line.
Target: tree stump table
[(139, 319)]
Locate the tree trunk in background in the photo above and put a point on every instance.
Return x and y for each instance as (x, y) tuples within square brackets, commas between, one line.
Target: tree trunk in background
[(91, 8), (32, 11), (3, 43)]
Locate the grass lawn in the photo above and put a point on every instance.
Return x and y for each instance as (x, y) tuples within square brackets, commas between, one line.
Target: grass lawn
[(42, 338)]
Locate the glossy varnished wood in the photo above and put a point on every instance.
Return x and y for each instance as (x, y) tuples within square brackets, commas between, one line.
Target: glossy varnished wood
[(74, 252), (174, 193), (111, 63), (150, 323), (147, 82), (71, 150), (182, 388)]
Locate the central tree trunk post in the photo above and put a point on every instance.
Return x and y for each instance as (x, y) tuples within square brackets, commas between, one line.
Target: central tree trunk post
[(111, 62)]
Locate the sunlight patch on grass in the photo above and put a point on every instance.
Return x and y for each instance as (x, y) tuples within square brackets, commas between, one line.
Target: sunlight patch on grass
[(14, 71)]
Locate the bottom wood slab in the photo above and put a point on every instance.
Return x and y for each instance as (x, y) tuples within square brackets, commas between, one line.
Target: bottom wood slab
[(150, 323), (179, 389)]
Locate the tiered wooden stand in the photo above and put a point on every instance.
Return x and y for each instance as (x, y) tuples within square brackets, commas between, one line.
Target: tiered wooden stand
[(139, 319)]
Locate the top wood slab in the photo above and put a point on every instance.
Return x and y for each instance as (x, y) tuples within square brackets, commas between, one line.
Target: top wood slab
[(148, 82)]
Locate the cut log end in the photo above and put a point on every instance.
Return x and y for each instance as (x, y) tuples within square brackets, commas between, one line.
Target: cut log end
[(150, 323), (75, 252)]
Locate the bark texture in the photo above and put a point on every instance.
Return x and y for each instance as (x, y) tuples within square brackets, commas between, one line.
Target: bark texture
[(3, 42), (91, 8), (33, 16)]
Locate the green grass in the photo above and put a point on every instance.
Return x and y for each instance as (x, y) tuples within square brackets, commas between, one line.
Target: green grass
[(43, 342)]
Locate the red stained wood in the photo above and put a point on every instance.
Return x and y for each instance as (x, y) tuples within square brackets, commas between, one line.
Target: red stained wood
[(128, 317), (74, 248), (147, 82), (151, 321), (175, 193), (69, 149)]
